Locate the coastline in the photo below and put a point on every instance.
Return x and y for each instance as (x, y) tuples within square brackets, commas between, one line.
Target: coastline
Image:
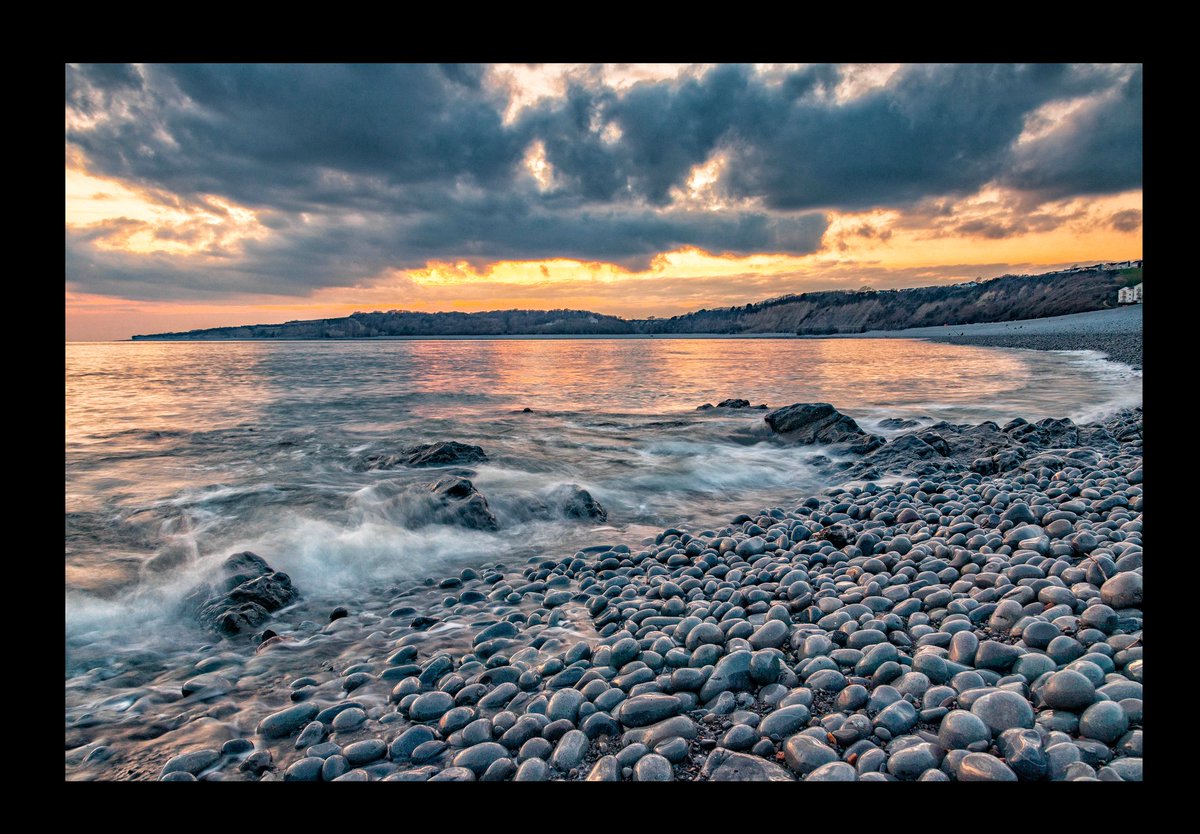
[(950, 625), (1116, 332)]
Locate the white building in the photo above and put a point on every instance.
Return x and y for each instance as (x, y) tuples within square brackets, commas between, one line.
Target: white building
[(1130, 295)]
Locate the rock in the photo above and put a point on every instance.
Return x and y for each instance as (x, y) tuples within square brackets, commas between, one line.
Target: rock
[(361, 752), (305, 770), (565, 703), (980, 767), (805, 754), (348, 720), (285, 722), (243, 595), (454, 774), (430, 706), (1068, 690), (814, 423), (456, 501), (570, 751), (533, 770), (443, 453), (898, 718), (606, 769), (770, 635), (206, 686), (732, 673), (642, 710), (833, 772), (909, 763), (1105, 721), (193, 763), (1002, 710), (653, 735), (573, 501), (724, 765), (312, 734), (1023, 753), (960, 729), (783, 722), (1123, 590), (480, 757), (652, 768)]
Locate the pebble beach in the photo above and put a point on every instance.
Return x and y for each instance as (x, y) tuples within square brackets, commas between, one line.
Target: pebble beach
[(961, 603)]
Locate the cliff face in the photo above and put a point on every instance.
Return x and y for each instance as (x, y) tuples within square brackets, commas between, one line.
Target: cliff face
[(1006, 298), (1001, 299)]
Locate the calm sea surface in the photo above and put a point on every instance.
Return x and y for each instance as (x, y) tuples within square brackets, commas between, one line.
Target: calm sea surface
[(179, 453)]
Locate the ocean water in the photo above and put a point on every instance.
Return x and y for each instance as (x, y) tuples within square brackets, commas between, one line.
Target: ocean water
[(178, 454)]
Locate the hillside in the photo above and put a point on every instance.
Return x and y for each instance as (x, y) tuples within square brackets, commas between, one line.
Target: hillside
[(1006, 298)]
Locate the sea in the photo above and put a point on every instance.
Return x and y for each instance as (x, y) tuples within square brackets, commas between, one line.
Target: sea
[(181, 453)]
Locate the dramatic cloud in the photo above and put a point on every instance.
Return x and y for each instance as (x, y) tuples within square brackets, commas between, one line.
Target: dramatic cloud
[(284, 179)]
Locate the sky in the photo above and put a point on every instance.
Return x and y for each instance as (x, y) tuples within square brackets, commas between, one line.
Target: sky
[(212, 195)]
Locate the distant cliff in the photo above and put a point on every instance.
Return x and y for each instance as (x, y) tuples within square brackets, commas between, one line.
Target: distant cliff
[(1006, 298)]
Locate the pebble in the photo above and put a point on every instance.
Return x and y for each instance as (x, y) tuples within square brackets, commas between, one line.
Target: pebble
[(285, 722), (192, 763), (652, 768)]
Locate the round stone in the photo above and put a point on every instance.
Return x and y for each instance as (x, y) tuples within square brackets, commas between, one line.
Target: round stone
[(1105, 721), (1002, 710), (1123, 591), (980, 767), (960, 729), (1068, 690)]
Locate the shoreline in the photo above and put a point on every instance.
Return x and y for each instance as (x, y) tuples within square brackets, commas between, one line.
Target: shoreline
[(948, 626), (1116, 332)]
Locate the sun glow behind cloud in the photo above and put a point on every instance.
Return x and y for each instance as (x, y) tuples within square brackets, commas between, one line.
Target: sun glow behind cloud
[(122, 219)]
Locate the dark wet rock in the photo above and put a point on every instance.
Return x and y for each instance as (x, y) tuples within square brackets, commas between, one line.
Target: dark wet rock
[(1123, 590), (243, 595), (192, 763), (443, 453), (981, 767), (573, 501), (1023, 753), (815, 423), (480, 757), (1068, 690), (1002, 710), (805, 754), (606, 769), (652, 768), (898, 423), (642, 710), (288, 721), (960, 729), (833, 772), (305, 770), (456, 501), (837, 535)]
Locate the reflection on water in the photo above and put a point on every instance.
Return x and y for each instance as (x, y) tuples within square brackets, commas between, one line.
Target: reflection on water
[(180, 452)]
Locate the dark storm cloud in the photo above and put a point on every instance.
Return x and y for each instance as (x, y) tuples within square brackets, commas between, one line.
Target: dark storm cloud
[(1097, 149), (358, 169)]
